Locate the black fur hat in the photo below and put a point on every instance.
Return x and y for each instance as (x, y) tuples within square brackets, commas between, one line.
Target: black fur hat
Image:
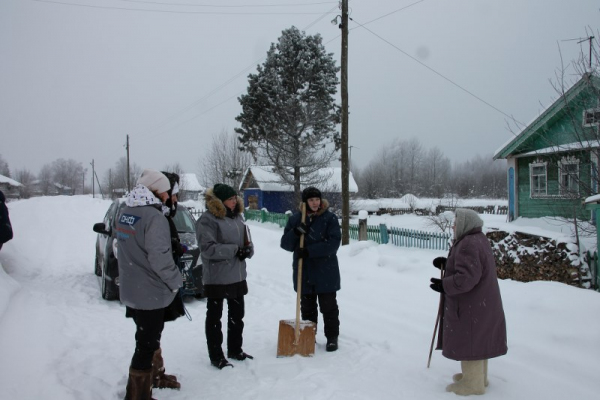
[(172, 177), (310, 192)]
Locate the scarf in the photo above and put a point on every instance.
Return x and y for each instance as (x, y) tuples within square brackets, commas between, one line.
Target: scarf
[(141, 196)]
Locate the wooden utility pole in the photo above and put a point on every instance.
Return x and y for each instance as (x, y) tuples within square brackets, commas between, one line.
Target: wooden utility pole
[(128, 178), (345, 163), (93, 175)]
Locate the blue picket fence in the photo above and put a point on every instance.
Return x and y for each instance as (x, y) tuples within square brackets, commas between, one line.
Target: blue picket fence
[(377, 233), (265, 216), (424, 240)]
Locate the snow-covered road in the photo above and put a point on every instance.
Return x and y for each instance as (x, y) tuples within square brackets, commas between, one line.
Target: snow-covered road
[(60, 341)]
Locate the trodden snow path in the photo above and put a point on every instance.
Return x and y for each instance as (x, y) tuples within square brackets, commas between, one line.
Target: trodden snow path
[(60, 341)]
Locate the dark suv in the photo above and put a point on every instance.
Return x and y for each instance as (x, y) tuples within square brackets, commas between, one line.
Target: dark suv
[(106, 265)]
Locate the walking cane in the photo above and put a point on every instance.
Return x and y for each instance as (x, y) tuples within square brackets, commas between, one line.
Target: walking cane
[(439, 316)]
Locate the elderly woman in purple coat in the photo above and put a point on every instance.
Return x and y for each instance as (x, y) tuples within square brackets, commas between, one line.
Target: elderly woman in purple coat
[(473, 327)]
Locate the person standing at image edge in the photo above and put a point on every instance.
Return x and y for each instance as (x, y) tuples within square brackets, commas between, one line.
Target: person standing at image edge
[(473, 327), (225, 245), (320, 268), (6, 232)]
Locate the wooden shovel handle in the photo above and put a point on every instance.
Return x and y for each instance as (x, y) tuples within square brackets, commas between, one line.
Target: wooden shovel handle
[(299, 285)]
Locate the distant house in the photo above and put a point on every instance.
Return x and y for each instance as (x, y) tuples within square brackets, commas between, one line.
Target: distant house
[(263, 189), (42, 188), (191, 189), (553, 161), (9, 187)]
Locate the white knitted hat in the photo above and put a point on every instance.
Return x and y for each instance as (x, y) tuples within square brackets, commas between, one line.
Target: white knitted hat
[(154, 180)]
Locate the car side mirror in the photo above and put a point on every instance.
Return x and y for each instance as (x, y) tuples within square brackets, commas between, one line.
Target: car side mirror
[(101, 228)]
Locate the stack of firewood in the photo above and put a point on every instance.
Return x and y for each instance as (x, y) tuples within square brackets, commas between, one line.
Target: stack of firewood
[(525, 258)]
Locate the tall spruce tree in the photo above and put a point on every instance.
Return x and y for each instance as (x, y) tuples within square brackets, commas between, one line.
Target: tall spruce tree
[(289, 115)]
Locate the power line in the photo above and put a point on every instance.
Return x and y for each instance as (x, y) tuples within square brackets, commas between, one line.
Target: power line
[(393, 12), (378, 18), (173, 11), (229, 6), (440, 74), (221, 86)]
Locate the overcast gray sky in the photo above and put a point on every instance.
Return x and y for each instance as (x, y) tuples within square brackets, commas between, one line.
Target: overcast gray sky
[(77, 76)]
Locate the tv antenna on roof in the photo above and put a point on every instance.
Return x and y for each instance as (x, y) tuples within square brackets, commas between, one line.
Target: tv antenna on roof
[(581, 40)]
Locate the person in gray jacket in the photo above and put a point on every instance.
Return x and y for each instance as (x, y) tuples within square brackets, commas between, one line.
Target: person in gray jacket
[(473, 326), (225, 244), (148, 277)]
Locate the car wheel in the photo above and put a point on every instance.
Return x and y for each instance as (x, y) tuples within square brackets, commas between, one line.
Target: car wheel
[(110, 291), (97, 266)]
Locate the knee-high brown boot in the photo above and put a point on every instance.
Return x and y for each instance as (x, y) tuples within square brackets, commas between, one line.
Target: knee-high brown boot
[(159, 378), (139, 385)]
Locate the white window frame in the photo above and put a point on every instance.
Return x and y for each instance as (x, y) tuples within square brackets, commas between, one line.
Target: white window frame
[(591, 117), (534, 191), (568, 182)]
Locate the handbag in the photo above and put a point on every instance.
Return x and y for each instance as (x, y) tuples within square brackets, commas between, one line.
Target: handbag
[(176, 309)]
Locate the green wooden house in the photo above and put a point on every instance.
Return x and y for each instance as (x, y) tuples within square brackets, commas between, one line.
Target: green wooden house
[(553, 161)]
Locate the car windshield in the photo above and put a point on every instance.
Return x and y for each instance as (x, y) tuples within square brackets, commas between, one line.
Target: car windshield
[(183, 220)]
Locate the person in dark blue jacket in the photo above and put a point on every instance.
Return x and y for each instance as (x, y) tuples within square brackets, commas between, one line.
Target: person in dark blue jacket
[(6, 232), (320, 269)]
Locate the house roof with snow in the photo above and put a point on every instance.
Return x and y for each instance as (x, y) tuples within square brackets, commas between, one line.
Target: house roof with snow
[(189, 181), (521, 144), (9, 182), (265, 179)]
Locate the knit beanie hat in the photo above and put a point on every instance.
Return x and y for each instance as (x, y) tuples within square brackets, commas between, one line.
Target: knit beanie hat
[(465, 221), (309, 193), (223, 191), (154, 180)]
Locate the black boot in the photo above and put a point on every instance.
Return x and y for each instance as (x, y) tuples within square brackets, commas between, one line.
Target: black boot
[(222, 363), (241, 356), (332, 344)]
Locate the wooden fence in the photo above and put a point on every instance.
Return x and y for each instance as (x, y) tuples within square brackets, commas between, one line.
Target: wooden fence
[(196, 213), (500, 210), (424, 240), (265, 216), (377, 233), (404, 237)]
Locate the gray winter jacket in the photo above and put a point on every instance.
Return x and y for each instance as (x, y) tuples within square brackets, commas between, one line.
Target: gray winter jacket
[(219, 238), (148, 276)]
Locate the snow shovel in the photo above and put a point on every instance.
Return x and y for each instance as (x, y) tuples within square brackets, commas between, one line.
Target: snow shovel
[(297, 336), (439, 316)]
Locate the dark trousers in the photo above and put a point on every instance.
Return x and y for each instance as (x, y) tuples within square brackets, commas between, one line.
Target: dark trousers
[(149, 326), (329, 309), (235, 326)]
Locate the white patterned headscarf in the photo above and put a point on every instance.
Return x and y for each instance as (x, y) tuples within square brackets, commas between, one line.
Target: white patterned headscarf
[(141, 196)]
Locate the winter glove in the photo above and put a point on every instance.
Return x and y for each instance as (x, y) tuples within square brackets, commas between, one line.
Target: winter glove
[(301, 229), (243, 252), (178, 249), (439, 261), (436, 284), (301, 252)]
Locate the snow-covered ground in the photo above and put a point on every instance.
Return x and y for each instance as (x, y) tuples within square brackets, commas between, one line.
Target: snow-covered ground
[(60, 341)]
